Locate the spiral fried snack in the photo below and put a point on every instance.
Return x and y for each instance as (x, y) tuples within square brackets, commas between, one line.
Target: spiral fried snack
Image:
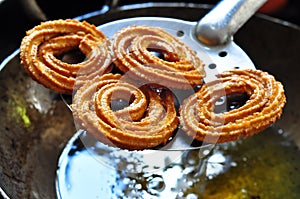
[(176, 66), (148, 119), (42, 46), (264, 106)]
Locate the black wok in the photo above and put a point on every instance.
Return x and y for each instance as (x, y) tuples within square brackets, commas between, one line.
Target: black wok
[(35, 124)]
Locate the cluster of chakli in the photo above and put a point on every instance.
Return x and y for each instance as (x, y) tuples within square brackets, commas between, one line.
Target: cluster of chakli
[(149, 59), (150, 117), (41, 47), (264, 107)]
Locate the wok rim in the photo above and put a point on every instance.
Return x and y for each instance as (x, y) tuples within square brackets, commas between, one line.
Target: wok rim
[(159, 5)]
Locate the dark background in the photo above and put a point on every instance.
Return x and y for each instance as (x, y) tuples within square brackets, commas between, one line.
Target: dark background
[(15, 18)]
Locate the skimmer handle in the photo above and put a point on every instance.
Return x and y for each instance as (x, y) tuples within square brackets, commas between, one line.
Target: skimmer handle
[(222, 22)]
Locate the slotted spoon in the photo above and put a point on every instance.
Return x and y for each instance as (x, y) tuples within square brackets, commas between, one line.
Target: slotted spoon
[(211, 38)]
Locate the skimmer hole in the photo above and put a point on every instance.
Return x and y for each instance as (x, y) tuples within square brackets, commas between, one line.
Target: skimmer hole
[(230, 102), (180, 33), (158, 54), (212, 66), (223, 54)]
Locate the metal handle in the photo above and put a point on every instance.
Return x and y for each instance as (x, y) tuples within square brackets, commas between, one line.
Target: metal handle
[(220, 24), (3, 194)]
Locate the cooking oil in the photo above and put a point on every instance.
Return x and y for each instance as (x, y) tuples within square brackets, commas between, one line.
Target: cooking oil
[(264, 166)]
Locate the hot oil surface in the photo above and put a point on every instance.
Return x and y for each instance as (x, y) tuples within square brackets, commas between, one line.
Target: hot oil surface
[(262, 166)]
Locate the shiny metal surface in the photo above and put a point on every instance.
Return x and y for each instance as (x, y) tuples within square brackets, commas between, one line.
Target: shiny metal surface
[(222, 58), (234, 57), (103, 162), (221, 23), (3, 194)]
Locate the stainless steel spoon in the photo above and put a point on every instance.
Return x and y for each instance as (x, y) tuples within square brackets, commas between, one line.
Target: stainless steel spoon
[(211, 38)]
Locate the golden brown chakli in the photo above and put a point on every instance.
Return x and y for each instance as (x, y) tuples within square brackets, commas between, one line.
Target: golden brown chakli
[(148, 119), (265, 104), (43, 44), (136, 49)]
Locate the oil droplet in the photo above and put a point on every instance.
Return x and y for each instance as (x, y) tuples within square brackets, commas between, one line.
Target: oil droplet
[(280, 131), (233, 164)]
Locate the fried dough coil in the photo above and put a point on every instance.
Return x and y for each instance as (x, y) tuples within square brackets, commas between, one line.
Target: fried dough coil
[(264, 106), (149, 118), (42, 45), (177, 66)]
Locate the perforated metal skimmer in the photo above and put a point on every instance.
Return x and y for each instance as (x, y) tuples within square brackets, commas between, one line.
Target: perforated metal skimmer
[(211, 38)]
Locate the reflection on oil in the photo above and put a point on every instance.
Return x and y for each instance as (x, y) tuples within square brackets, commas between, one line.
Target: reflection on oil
[(263, 166), (39, 98)]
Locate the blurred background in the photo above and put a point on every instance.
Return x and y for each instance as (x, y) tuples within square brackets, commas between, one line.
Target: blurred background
[(17, 16)]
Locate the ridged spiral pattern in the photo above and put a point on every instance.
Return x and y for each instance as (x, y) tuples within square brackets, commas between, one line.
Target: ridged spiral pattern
[(42, 45), (264, 106), (178, 66), (148, 120), (149, 58)]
